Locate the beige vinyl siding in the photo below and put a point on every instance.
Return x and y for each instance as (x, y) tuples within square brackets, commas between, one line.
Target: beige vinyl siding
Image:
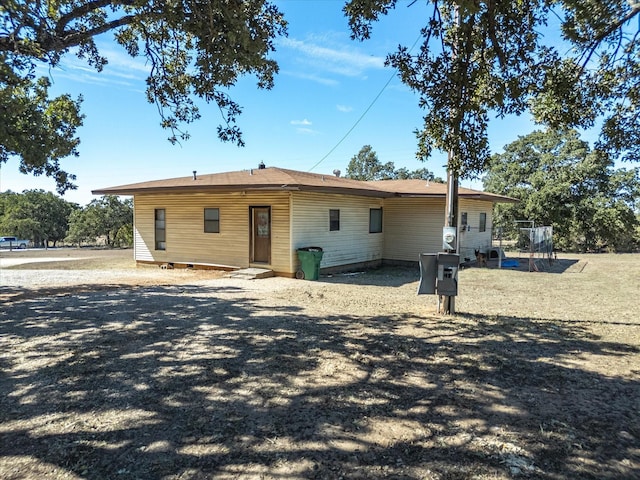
[(138, 244), (300, 219), (412, 226), (188, 243), (472, 238), (351, 244), (143, 230)]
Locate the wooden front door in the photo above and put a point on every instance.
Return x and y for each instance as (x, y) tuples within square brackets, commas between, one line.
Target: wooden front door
[(260, 234)]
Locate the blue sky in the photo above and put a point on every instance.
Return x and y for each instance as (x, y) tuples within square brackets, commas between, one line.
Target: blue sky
[(326, 83)]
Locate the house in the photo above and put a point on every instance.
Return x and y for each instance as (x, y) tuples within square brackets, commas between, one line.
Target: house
[(260, 217)]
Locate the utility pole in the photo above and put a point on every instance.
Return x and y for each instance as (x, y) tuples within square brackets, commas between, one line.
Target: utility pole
[(447, 304)]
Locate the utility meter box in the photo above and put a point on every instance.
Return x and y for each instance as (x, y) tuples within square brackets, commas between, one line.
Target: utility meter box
[(449, 238), (439, 274), (447, 277)]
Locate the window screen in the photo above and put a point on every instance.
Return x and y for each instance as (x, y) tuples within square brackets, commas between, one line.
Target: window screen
[(334, 220), (375, 220), (160, 229), (212, 220)]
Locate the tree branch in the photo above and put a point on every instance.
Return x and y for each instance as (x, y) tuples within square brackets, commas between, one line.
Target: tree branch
[(635, 10), (491, 30), (74, 38), (58, 39), (82, 10)]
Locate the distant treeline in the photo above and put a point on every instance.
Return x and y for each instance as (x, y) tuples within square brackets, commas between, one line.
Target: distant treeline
[(47, 219)]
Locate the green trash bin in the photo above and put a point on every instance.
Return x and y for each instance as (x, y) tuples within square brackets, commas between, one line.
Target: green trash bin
[(310, 258)]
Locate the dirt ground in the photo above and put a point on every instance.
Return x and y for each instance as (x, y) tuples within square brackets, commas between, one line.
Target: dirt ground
[(113, 372)]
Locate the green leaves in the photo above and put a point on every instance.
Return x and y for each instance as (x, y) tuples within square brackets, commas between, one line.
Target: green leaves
[(362, 13), (561, 182), (366, 166), (479, 59), (195, 49), (35, 215), (107, 217), (199, 49), (474, 58), (39, 130), (42, 216)]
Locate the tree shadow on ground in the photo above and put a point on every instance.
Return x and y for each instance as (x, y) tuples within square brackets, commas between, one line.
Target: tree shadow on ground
[(535, 264), (387, 276), (396, 276), (198, 382)]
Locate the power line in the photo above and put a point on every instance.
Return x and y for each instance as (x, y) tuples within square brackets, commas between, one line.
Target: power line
[(363, 113), (355, 124)]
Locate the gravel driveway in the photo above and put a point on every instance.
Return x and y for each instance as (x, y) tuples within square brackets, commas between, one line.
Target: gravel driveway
[(51, 278)]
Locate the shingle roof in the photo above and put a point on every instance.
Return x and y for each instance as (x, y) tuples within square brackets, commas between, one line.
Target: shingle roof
[(273, 178), (423, 188)]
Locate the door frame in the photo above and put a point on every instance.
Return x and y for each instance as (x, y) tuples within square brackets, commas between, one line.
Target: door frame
[(253, 233)]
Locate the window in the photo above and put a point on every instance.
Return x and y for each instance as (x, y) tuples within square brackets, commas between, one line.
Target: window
[(375, 220), (160, 229), (334, 220), (211, 220), (463, 220), (483, 222)]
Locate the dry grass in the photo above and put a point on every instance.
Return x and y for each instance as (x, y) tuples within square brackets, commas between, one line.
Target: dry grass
[(348, 377), (73, 259)]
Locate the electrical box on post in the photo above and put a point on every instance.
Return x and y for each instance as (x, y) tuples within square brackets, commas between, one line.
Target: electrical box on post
[(447, 277), (449, 238), (428, 273)]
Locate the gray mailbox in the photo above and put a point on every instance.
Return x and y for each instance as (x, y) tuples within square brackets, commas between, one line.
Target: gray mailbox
[(447, 279)]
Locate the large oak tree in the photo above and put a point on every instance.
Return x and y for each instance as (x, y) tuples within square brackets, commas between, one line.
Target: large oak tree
[(39, 216), (562, 182), (194, 49), (570, 62)]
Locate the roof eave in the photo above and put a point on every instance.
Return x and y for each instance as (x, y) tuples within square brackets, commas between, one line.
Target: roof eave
[(346, 191), (238, 188), (488, 198), (192, 189), (418, 195), (130, 190)]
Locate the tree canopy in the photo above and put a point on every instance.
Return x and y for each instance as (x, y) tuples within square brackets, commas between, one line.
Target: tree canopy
[(366, 166), (38, 129), (478, 59), (561, 182), (45, 218), (194, 49), (107, 217), (36, 215)]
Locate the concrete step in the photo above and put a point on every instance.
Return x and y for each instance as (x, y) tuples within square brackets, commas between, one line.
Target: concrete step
[(251, 273)]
